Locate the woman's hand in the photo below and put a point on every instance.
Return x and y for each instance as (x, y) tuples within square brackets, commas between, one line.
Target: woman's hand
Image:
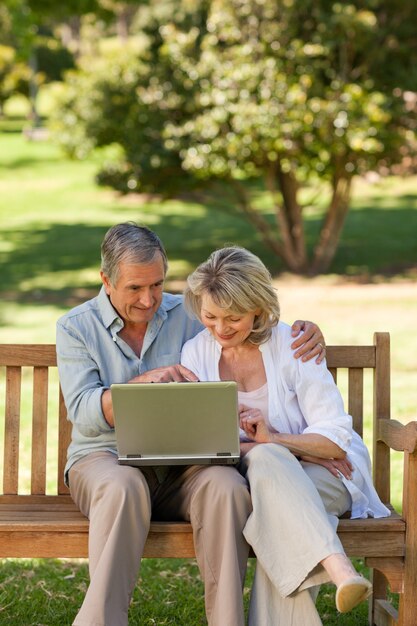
[(253, 423), (310, 344), (312, 446), (245, 447), (335, 466)]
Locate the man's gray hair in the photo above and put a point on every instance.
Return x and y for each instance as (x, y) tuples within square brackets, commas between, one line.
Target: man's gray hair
[(129, 243)]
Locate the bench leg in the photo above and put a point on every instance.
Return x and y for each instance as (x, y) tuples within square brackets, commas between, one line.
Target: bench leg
[(408, 600), (379, 584), (386, 571)]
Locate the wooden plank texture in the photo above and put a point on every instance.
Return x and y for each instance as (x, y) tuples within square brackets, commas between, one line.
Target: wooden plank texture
[(28, 354), (408, 601), (12, 429), (39, 429), (355, 402), (398, 436), (385, 614), (381, 410), (350, 356), (64, 438), (393, 571), (333, 372)]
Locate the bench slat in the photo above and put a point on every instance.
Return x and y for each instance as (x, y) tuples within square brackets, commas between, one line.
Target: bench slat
[(350, 356), (24, 516), (355, 399), (12, 429), (30, 355), (382, 410), (39, 429), (64, 438), (169, 539)]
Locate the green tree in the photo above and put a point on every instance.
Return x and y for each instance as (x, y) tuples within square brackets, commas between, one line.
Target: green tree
[(28, 27), (13, 74), (294, 94)]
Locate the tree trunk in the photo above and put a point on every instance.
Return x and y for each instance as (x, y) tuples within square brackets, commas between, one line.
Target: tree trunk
[(261, 225), (333, 224), (289, 189), (70, 33), (289, 244), (33, 90), (289, 217), (124, 16), (122, 26)]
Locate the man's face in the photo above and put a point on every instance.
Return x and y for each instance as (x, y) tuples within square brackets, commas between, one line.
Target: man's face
[(137, 294)]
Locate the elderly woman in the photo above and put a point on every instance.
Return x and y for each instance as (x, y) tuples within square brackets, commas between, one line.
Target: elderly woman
[(304, 463)]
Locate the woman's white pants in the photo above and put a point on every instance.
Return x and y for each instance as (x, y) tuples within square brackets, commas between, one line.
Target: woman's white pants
[(292, 529)]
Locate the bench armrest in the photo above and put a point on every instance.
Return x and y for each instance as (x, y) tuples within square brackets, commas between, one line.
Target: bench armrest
[(401, 437)]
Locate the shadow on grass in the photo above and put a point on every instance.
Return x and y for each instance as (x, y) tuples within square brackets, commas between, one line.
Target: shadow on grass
[(26, 162), (379, 240), (374, 241), (38, 251)]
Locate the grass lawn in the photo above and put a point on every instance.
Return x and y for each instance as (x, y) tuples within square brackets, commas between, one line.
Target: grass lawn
[(36, 592), (53, 219)]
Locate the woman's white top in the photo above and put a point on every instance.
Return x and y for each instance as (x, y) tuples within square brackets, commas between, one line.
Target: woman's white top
[(256, 399), (302, 398)]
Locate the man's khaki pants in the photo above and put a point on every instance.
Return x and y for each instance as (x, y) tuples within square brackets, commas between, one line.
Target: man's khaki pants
[(119, 501)]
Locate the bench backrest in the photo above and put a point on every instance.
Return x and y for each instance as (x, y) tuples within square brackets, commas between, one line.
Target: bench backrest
[(38, 363), (41, 361)]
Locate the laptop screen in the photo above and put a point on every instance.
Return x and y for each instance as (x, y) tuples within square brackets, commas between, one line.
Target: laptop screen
[(176, 423)]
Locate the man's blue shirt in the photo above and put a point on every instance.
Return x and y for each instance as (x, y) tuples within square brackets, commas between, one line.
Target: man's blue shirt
[(91, 356)]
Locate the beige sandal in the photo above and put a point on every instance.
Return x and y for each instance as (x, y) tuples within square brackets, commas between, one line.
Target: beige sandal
[(352, 592)]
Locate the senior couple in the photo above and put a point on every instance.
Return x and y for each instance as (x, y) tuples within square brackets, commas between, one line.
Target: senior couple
[(301, 464)]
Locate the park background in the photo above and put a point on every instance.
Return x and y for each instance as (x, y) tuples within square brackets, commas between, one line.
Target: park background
[(87, 97)]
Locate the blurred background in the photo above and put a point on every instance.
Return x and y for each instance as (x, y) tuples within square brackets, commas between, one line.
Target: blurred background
[(286, 126)]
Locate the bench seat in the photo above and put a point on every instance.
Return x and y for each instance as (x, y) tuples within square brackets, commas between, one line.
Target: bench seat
[(52, 526)]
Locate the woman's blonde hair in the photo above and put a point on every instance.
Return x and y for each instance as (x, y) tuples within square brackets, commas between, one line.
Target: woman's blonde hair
[(238, 281)]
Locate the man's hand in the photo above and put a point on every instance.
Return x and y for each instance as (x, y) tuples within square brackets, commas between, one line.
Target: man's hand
[(168, 374), (309, 344)]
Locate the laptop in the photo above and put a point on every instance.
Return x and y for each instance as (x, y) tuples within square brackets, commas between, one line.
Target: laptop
[(176, 423)]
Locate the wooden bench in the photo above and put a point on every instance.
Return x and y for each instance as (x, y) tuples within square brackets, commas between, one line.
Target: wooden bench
[(44, 524)]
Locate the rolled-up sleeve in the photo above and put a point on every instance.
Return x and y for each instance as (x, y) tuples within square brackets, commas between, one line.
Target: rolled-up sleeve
[(81, 384), (321, 404)]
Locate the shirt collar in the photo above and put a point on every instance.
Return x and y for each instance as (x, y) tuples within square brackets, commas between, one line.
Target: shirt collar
[(109, 314)]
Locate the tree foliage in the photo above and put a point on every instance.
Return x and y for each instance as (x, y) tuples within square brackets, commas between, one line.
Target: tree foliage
[(41, 37), (292, 94)]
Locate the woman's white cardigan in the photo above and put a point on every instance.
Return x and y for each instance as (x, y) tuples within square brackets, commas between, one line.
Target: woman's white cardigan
[(302, 398)]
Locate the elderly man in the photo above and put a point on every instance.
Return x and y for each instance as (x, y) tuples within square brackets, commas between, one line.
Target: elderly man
[(133, 331)]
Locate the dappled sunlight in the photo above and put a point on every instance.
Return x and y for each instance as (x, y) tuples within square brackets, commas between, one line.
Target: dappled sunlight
[(87, 277), (26, 323)]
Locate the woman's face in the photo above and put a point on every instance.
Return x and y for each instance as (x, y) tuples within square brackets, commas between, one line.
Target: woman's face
[(229, 328)]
